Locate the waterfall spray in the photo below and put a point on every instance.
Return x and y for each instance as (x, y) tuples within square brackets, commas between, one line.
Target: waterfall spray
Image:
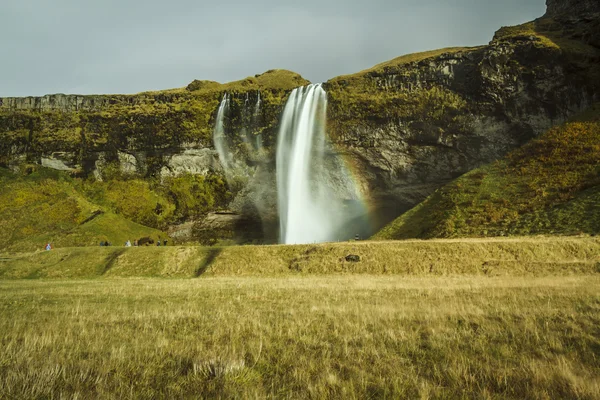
[(310, 208)]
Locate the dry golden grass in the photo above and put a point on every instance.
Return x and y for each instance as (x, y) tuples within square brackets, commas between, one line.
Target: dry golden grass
[(302, 337), (537, 256)]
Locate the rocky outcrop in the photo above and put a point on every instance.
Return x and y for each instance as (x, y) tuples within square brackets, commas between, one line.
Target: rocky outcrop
[(571, 7)]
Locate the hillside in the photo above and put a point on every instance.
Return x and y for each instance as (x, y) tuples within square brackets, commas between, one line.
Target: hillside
[(549, 186), (45, 205), (49, 206)]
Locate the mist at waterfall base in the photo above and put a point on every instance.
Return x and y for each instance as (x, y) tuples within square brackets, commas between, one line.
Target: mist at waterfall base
[(318, 200)]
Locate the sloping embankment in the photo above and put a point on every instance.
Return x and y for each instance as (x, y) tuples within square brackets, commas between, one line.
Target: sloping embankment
[(518, 256)]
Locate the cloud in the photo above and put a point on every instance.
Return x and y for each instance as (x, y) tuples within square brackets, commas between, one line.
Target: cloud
[(110, 46)]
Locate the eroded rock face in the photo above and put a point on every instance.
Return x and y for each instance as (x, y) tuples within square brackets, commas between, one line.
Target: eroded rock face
[(227, 225), (571, 7)]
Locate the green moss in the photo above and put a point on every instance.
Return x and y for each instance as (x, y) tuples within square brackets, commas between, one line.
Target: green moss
[(280, 79), (49, 205), (549, 186), (550, 34), (272, 80)]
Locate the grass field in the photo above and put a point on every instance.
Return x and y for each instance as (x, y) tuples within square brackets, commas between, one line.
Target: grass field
[(524, 256), (471, 318), (360, 336)]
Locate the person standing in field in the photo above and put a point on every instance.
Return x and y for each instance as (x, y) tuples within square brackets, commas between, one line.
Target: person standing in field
[(48, 246)]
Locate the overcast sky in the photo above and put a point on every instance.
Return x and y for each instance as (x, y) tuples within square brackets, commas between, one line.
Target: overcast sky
[(128, 46)]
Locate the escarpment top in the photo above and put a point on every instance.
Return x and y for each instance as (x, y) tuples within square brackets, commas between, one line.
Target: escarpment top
[(571, 7), (278, 80)]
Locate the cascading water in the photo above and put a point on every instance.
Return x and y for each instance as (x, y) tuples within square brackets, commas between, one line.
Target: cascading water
[(219, 138), (316, 196), (318, 201), (257, 107), (250, 115), (255, 122)]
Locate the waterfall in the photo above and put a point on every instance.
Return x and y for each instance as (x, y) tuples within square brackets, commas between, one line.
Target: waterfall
[(317, 198), (234, 164), (314, 188), (219, 138), (257, 106), (255, 123)]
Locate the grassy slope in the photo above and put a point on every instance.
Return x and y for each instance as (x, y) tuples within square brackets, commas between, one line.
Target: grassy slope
[(549, 186), (47, 206), (301, 337), (549, 34), (402, 60), (522, 256)]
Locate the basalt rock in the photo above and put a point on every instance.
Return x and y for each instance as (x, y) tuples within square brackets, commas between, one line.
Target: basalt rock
[(571, 7)]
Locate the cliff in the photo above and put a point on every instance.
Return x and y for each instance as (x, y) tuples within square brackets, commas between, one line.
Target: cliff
[(549, 186), (571, 8), (406, 127)]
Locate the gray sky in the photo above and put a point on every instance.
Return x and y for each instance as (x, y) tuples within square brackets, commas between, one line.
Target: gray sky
[(128, 46)]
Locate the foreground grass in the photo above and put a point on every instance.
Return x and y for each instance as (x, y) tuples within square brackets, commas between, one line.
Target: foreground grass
[(302, 337)]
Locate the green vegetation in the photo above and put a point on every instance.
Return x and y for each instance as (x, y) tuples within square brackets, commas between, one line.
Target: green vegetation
[(549, 33), (403, 60), (301, 337), (146, 121), (549, 186), (490, 257), (47, 207), (275, 79), (51, 206)]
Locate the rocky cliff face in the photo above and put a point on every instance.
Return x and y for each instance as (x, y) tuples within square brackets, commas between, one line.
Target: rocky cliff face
[(406, 127), (571, 7)]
